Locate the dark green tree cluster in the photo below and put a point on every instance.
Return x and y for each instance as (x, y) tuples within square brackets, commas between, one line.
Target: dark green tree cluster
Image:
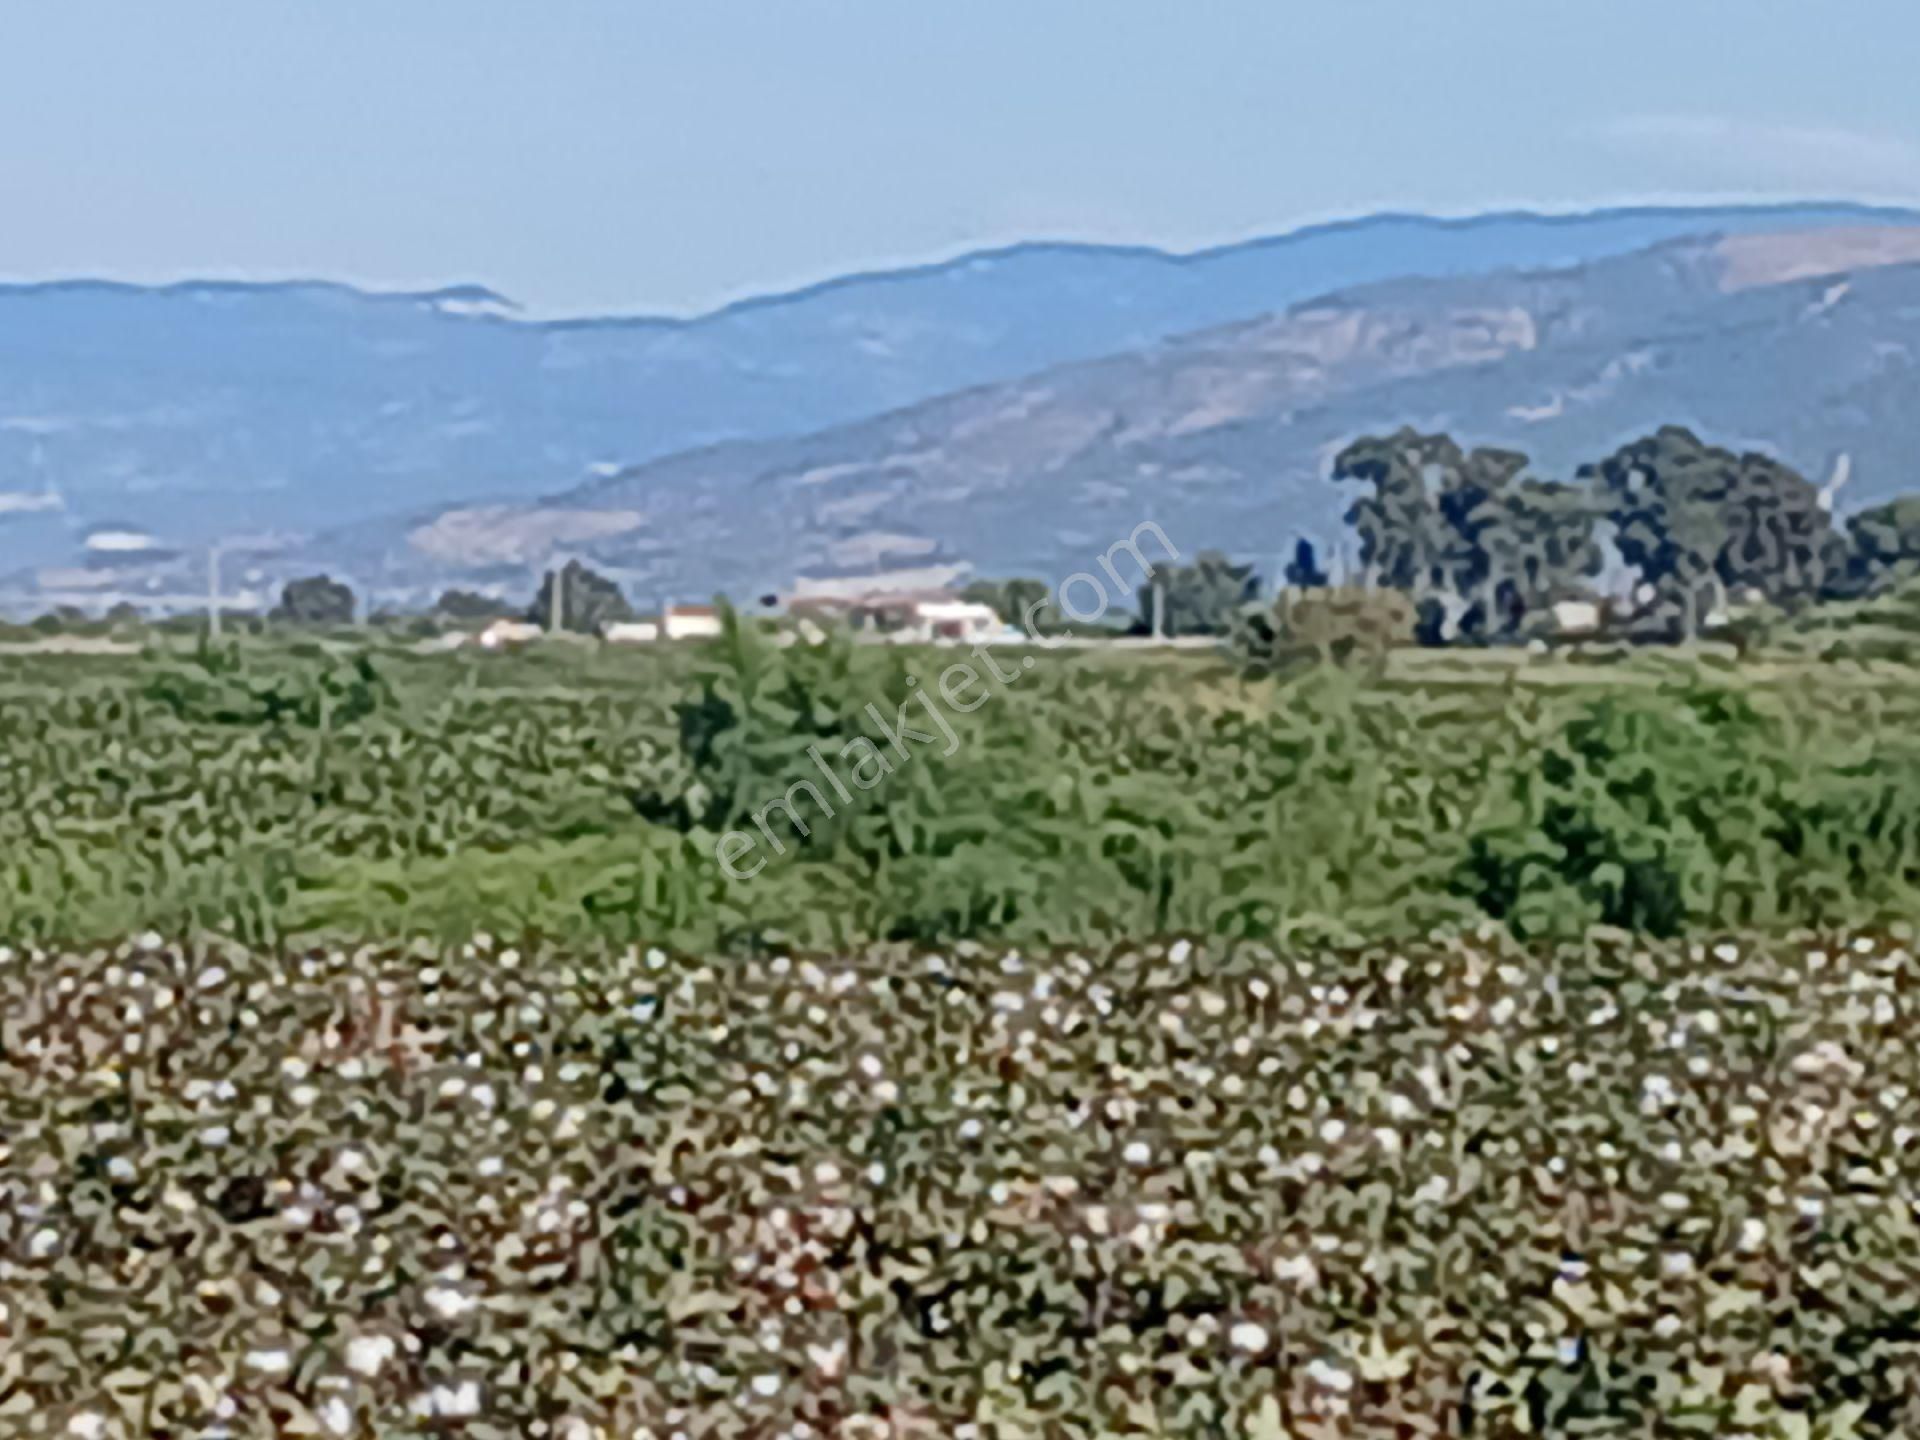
[(1885, 546), (589, 601), (1483, 548), (466, 607), (1703, 525), (1204, 598), (315, 600), (1476, 542), (1023, 602)]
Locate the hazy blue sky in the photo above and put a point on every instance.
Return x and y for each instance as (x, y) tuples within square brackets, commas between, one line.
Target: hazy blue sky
[(592, 155)]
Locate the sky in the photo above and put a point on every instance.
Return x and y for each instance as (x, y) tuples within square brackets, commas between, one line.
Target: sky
[(614, 156)]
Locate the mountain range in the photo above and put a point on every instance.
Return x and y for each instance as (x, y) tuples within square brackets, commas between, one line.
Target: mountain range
[(1008, 412)]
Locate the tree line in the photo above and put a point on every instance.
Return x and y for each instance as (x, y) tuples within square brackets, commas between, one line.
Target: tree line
[(1677, 531), (1483, 547), (1471, 546), (588, 600)]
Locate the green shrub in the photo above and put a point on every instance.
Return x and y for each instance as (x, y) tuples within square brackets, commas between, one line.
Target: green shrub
[(1338, 624)]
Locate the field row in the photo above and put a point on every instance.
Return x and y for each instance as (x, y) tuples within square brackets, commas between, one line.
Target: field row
[(1613, 1189)]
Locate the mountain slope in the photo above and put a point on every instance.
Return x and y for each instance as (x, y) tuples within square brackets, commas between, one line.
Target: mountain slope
[(1805, 346), (204, 410)]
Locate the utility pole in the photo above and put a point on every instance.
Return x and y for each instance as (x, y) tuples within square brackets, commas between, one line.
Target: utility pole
[(556, 592), (1159, 608), (213, 592), (1842, 472)]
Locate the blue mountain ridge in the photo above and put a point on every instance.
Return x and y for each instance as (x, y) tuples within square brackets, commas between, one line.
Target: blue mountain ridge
[(209, 409)]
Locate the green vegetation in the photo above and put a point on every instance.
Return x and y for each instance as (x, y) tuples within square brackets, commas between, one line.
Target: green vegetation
[(1483, 549), (270, 791), (588, 600), (1204, 598), (472, 607), (316, 600), (1503, 1083)]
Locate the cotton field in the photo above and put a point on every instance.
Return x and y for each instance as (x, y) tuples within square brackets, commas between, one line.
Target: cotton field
[(501, 1192)]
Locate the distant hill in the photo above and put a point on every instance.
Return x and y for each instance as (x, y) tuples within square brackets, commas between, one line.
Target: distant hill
[(283, 411), (1804, 345)]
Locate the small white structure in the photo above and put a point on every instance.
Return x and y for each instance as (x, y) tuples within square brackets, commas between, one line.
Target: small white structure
[(690, 622), (502, 633), (953, 622), (936, 617), (630, 632), (1576, 617)]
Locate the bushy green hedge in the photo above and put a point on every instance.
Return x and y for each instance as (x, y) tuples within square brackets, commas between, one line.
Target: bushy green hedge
[(1091, 798)]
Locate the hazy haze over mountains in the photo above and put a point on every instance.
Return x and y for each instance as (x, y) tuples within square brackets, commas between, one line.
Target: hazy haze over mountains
[(1007, 410)]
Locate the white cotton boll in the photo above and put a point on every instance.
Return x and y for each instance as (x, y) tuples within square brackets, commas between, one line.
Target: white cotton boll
[(766, 1386), (455, 1402), (88, 1425), (446, 1302), (1331, 1376), (270, 1361), (1297, 1270), (1826, 1056), (336, 1416), (1138, 1153), (368, 1354), (1249, 1337)]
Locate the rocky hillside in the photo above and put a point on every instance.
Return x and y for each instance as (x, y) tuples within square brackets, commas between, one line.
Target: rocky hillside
[(1801, 344), (138, 425)]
